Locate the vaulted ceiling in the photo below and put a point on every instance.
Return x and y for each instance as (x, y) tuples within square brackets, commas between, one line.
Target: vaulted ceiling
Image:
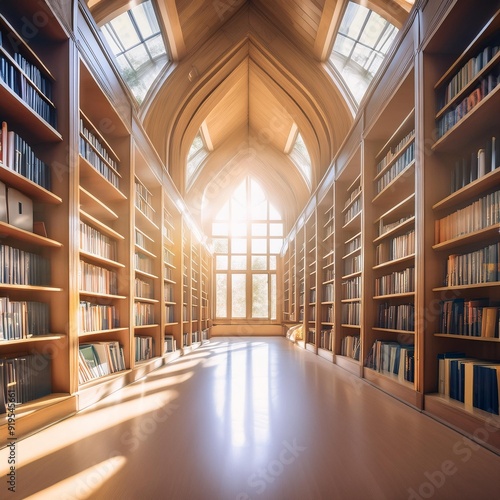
[(249, 74)]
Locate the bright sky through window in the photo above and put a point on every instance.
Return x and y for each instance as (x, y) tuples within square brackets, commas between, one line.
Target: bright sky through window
[(300, 156), (362, 42), (137, 43)]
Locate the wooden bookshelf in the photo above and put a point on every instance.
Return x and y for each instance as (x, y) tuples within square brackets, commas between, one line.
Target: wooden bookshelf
[(348, 263), (38, 126), (462, 262)]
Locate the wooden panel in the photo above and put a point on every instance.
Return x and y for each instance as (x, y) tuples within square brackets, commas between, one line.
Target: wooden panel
[(231, 113), (201, 19), (268, 118), (297, 18)]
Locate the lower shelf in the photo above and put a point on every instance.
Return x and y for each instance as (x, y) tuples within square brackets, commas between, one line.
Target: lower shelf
[(349, 364), (35, 415), (479, 425), (326, 354), (405, 391)]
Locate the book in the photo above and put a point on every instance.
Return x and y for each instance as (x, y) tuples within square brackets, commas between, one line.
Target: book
[(443, 370)]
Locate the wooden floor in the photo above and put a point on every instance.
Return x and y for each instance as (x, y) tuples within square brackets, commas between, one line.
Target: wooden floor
[(250, 418)]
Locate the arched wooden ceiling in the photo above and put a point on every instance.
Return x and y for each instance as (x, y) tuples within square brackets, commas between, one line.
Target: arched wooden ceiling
[(249, 72)]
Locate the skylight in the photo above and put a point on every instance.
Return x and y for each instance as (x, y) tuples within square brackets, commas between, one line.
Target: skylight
[(197, 153), (300, 156), (137, 43), (362, 42)]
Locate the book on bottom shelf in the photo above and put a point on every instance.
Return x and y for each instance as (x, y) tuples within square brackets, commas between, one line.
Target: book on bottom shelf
[(170, 343), (98, 359), (23, 378), (392, 358)]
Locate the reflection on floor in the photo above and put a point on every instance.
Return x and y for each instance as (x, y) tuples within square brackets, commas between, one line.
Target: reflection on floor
[(250, 418)]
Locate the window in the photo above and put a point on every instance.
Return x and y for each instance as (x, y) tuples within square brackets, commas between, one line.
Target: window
[(247, 237), (137, 44), (300, 156), (197, 153), (362, 42)]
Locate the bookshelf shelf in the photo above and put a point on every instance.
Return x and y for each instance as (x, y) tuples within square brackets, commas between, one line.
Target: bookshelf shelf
[(34, 338), (394, 262), (33, 190), (30, 288), (466, 287), (101, 295), (94, 207), (100, 226), (470, 191), (395, 230), (101, 260), (393, 296), (481, 113), (393, 330), (467, 239), (467, 337), (6, 230), (93, 181)]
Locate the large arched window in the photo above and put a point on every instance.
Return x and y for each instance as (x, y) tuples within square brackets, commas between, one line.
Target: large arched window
[(247, 236)]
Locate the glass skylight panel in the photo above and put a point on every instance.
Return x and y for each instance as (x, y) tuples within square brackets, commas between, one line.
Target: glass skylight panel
[(137, 43), (300, 156), (362, 42), (197, 153)]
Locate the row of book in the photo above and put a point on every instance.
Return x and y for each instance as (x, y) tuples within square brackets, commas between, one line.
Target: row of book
[(311, 336), (97, 243), (97, 155), (23, 319), (329, 274), (328, 292), (144, 348), (353, 244), (351, 288), (467, 104), (352, 211), (144, 289), (351, 313), (168, 257), (385, 228), (18, 82), (144, 200), (328, 314), (96, 279), (403, 161), (143, 314), (169, 292), (392, 358), (312, 314), (170, 343), (474, 382), (394, 151), (351, 346), (480, 214), (480, 266), (143, 263), (396, 282), (396, 317), (326, 339), (18, 155), (395, 248), (469, 317), (23, 378), (19, 267), (170, 313), (480, 163), (97, 317), (467, 73), (353, 264), (98, 359)]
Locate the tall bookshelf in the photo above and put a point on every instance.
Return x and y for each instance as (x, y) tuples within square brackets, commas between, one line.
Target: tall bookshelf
[(148, 249), (311, 283), (104, 250), (462, 198), (171, 284), (40, 121), (390, 339), (349, 263), (326, 273)]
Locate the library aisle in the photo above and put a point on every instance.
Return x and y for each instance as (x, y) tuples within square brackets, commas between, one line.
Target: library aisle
[(246, 418)]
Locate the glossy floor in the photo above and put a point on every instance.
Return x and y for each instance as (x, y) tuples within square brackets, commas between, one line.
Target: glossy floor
[(244, 418)]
